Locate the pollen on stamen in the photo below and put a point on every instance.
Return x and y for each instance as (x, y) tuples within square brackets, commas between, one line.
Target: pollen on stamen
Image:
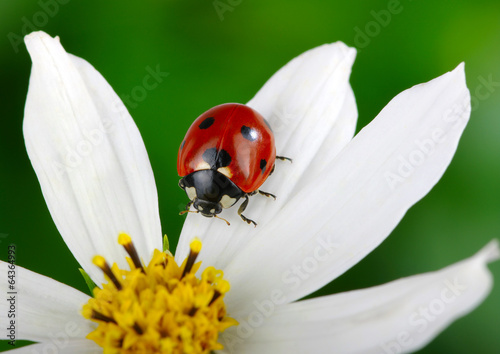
[(158, 308)]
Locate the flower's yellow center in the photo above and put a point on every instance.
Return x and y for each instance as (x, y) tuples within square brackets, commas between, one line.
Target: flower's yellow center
[(161, 308)]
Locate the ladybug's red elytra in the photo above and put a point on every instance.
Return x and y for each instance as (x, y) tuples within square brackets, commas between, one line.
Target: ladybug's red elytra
[(227, 154)]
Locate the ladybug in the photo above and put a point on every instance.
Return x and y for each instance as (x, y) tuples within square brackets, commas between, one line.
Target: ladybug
[(227, 154)]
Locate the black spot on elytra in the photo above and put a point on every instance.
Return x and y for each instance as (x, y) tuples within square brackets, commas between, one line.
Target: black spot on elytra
[(268, 125), (182, 144), (207, 122), (263, 164), (249, 133), (216, 158)]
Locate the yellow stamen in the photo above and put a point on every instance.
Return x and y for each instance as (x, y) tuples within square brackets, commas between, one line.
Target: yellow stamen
[(124, 239), (101, 263), (159, 308), (195, 245)]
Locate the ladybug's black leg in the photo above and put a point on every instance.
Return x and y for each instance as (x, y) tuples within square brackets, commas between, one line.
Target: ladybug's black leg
[(272, 170), (242, 208), (269, 195), (188, 205), (283, 158)]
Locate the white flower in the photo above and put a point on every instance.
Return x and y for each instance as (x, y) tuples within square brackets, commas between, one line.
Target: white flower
[(340, 199)]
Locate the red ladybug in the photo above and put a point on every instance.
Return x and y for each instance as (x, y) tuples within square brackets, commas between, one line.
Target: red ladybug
[(227, 154)]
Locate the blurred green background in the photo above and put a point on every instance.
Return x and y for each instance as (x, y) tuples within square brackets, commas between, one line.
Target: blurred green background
[(214, 58)]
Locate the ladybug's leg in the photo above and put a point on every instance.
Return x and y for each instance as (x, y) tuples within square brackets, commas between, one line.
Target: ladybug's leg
[(188, 205), (283, 158), (242, 208), (269, 195)]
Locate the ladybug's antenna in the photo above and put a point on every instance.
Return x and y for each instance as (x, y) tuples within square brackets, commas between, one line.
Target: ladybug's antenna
[(227, 222), (188, 211), (196, 212)]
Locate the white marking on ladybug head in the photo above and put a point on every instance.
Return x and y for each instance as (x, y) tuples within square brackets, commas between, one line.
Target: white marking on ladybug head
[(225, 171), (226, 201), (191, 192), (202, 166), (212, 211)]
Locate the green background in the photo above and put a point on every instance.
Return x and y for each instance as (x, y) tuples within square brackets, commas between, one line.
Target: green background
[(213, 59)]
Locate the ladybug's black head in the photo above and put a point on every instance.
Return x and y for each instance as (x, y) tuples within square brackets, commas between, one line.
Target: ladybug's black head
[(209, 191), (206, 208)]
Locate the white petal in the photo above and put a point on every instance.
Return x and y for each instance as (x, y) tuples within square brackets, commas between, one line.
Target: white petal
[(311, 108), (89, 157), (353, 205), (339, 136), (62, 345), (401, 316), (43, 308)]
